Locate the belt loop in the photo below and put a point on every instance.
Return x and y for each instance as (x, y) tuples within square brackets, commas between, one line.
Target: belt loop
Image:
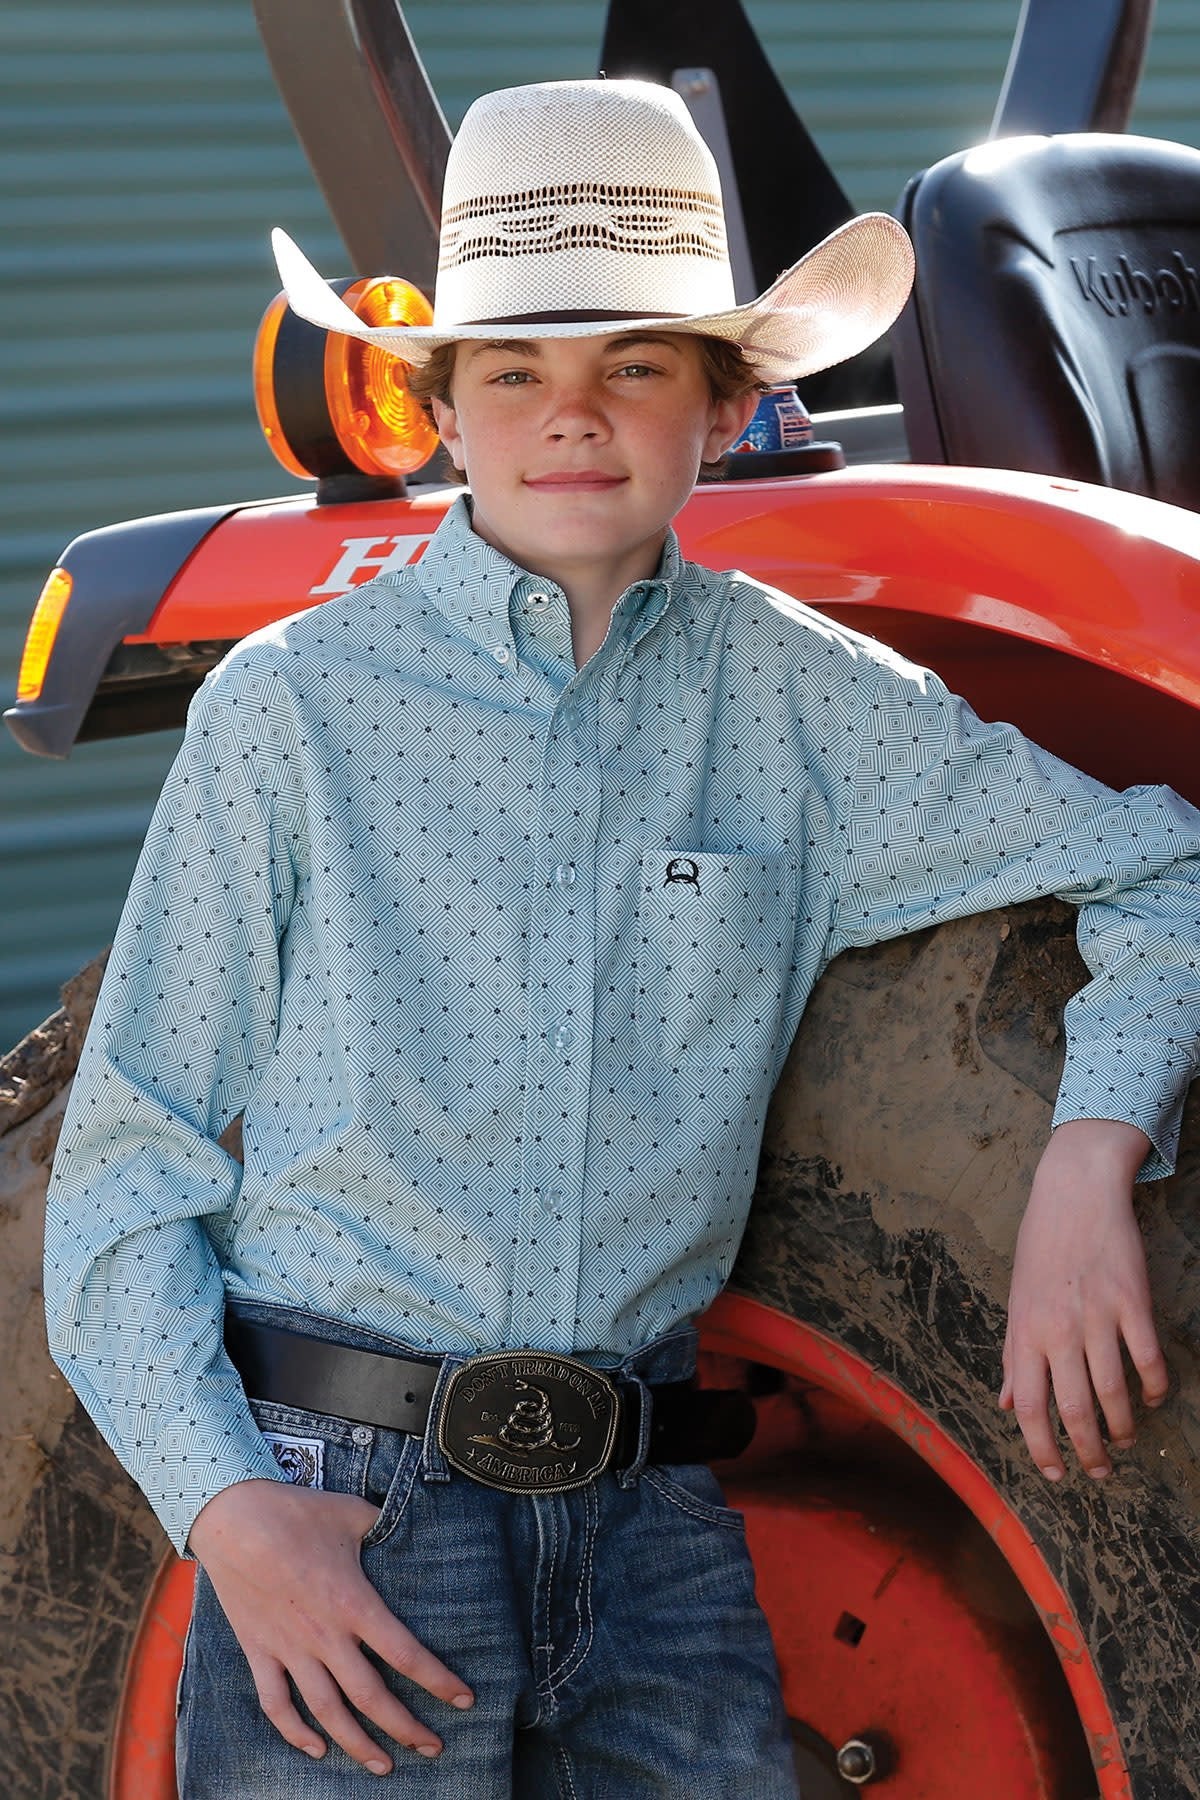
[(631, 1475), (434, 1466)]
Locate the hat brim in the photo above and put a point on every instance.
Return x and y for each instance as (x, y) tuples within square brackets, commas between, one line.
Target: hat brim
[(827, 307)]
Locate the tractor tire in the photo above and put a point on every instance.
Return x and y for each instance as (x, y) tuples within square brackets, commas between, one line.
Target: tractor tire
[(78, 1544), (899, 1153)]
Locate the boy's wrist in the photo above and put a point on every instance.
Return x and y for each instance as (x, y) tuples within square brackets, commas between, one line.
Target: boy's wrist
[(212, 1521), (1118, 1143)]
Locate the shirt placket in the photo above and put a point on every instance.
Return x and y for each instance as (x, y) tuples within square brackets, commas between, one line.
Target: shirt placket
[(562, 978)]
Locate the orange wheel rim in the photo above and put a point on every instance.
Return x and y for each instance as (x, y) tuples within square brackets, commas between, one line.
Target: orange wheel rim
[(143, 1756), (738, 1326)]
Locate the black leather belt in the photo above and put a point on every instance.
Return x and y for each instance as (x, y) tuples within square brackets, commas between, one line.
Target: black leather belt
[(526, 1421)]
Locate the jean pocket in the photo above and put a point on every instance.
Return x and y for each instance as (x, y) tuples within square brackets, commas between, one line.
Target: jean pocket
[(692, 1488), (395, 1465), (316, 1450)]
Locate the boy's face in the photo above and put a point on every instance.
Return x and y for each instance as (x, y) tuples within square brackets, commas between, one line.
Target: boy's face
[(581, 451)]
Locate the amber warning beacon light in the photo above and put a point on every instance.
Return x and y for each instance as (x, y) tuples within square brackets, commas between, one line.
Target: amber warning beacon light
[(332, 407)]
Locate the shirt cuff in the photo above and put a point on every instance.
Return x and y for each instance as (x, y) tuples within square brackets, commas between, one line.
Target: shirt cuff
[(1147, 1087), (180, 1476)]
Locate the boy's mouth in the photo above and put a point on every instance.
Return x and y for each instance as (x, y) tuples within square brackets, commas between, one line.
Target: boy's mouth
[(574, 481)]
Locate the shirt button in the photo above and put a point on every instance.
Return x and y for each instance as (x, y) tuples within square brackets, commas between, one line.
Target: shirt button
[(564, 1037), (502, 653), (551, 1199), (361, 1435), (564, 875), (539, 602)]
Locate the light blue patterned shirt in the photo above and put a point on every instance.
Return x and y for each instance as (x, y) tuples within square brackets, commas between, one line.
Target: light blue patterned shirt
[(500, 961)]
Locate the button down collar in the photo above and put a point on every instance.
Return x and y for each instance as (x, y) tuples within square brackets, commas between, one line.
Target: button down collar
[(472, 584), (468, 580)]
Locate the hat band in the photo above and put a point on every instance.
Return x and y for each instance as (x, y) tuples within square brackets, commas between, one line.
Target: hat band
[(583, 315)]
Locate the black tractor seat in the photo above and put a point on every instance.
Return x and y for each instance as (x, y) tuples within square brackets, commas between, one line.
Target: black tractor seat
[(1055, 321)]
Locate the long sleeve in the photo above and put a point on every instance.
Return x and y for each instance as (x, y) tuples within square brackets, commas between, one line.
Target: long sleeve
[(951, 816), (186, 1017)]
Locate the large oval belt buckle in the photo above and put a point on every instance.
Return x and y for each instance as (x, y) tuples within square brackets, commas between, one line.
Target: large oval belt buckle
[(528, 1421)]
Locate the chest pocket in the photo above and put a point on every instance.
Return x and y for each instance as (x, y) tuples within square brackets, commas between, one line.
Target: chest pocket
[(714, 957)]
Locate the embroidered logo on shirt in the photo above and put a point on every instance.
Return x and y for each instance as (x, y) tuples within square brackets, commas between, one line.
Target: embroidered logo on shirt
[(301, 1459), (684, 869)]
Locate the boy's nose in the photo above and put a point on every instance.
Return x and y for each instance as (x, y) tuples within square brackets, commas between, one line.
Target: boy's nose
[(576, 414)]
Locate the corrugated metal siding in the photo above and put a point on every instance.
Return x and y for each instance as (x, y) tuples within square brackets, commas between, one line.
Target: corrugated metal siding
[(143, 154), (1168, 103), (885, 89)]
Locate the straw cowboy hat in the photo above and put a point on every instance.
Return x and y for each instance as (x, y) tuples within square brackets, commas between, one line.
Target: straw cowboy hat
[(573, 208)]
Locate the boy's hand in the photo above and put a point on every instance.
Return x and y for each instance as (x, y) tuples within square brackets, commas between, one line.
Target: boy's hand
[(1079, 1291), (284, 1562)]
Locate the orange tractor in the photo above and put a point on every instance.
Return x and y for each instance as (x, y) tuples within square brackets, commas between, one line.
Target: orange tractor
[(946, 1624)]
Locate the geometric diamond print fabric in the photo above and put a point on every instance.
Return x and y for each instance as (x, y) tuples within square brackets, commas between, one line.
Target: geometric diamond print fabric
[(500, 960)]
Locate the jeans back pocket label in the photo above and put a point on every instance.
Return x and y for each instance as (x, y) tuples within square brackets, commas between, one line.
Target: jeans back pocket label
[(301, 1459)]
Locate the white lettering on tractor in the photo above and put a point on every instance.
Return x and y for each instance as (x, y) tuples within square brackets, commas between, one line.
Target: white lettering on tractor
[(361, 561)]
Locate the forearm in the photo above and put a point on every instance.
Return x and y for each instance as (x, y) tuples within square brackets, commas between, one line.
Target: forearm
[(154, 1377), (1133, 1033), (186, 1017), (953, 816)]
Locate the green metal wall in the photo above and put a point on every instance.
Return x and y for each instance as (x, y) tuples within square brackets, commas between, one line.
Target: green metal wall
[(143, 155)]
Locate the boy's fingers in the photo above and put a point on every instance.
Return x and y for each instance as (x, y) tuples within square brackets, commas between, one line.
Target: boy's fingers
[(330, 1690), (367, 1692), (1006, 1385), (1148, 1359), (1111, 1389), (1077, 1410), (324, 1700), (389, 1638), (1029, 1390), (275, 1699)]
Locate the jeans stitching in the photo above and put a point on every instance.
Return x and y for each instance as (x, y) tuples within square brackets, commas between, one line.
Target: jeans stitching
[(683, 1501), (379, 1534), (632, 1474), (556, 1675), (577, 1655), (564, 1770), (547, 1529)]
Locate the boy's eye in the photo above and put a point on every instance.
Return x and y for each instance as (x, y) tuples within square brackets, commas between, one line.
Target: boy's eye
[(636, 369), (512, 377)]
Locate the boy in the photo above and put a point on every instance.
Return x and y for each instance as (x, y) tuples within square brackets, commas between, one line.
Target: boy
[(491, 895)]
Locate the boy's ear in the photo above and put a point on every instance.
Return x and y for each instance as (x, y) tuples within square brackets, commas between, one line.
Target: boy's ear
[(730, 419), (446, 420)]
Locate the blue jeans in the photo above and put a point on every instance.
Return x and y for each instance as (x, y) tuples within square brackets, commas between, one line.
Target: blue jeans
[(611, 1635)]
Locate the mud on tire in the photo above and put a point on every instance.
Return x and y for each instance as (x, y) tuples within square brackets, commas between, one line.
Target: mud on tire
[(78, 1544)]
